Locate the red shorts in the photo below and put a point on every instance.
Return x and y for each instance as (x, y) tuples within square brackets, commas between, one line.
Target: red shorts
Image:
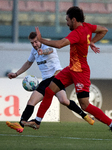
[(81, 80)]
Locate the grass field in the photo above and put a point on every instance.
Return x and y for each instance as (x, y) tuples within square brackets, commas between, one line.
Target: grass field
[(57, 136)]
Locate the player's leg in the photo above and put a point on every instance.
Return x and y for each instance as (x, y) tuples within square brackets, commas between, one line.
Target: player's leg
[(95, 111), (82, 84), (61, 95), (45, 104), (34, 99)]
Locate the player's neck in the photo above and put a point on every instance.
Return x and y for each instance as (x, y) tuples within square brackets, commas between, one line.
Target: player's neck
[(78, 24)]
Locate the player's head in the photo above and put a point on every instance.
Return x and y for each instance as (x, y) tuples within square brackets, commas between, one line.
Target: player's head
[(33, 40), (74, 13)]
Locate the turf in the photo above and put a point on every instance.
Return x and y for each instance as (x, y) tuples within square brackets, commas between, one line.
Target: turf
[(57, 136)]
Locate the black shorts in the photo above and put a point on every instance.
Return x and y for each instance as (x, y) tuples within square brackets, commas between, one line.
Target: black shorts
[(42, 85)]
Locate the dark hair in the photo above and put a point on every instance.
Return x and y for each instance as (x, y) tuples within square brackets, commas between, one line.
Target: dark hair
[(32, 35), (75, 12)]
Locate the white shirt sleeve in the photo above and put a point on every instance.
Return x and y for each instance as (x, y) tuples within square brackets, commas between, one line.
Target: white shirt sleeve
[(31, 57)]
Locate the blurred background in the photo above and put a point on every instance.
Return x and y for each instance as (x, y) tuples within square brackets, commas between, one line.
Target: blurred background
[(20, 17)]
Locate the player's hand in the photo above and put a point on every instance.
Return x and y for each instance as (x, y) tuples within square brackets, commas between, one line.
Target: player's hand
[(40, 51), (94, 48), (38, 34), (12, 75)]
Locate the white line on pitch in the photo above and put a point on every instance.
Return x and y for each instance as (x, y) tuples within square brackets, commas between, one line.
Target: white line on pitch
[(21, 135), (74, 138)]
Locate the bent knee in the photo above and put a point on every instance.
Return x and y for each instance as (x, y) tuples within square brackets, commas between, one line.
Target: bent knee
[(64, 102), (84, 102), (83, 107)]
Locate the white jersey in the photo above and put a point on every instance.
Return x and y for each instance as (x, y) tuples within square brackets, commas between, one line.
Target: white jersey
[(48, 64)]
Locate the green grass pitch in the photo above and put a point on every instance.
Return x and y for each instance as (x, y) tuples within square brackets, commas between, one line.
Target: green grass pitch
[(57, 136)]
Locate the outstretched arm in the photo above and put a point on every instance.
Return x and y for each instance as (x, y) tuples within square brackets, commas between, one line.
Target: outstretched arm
[(25, 67), (53, 43)]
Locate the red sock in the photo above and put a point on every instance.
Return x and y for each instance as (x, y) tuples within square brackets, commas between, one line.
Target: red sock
[(98, 114), (46, 102)]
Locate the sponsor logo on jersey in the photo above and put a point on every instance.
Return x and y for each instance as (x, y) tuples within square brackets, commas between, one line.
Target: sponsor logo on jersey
[(79, 86), (41, 62)]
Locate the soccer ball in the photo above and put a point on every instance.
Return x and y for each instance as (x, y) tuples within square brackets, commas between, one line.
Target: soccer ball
[(30, 83)]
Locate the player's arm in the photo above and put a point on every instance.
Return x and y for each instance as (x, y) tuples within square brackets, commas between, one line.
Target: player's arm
[(100, 33), (94, 48), (25, 67), (45, 51), (53, 43), (56, 43)]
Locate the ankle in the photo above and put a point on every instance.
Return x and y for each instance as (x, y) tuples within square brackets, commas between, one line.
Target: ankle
[(22, 125), (38, 120)]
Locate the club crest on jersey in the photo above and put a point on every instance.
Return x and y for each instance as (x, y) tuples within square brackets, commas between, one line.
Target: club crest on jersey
[(79, 86)]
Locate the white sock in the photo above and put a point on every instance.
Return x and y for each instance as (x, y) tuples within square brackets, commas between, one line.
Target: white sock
[(38, 119)]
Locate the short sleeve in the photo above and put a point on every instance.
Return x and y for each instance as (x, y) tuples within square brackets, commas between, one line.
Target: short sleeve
[(92, 27), (73, 37), (31, 57)]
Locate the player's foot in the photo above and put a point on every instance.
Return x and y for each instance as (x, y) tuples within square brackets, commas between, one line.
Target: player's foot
[(89, 119), (16, 126), (31, 124)]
